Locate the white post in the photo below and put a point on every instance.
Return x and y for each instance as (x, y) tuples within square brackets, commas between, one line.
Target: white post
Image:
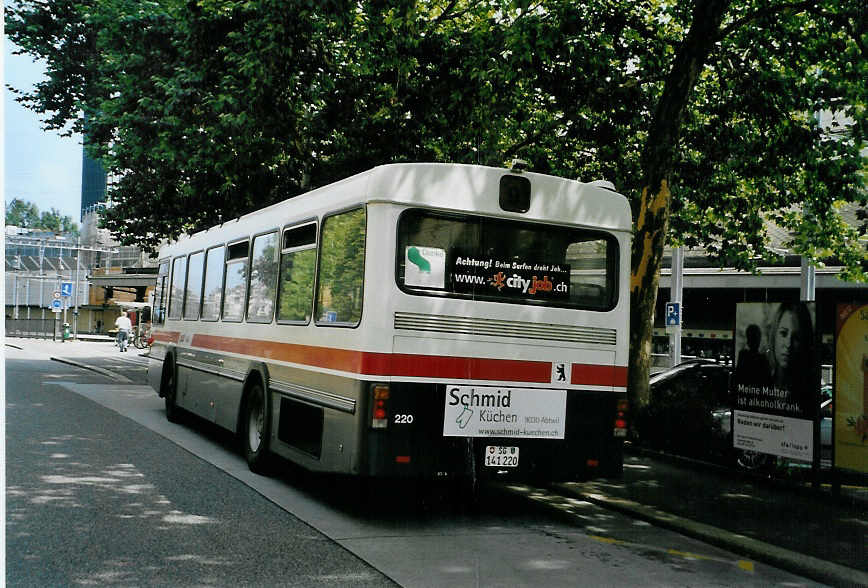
[(75, 291), (15, 281), (676, 289), (808, 294), (809, 281), (42, 277), (63, 305)]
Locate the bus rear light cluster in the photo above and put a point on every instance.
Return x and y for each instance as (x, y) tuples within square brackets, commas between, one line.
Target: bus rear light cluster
[(621, 418), (380, 406)]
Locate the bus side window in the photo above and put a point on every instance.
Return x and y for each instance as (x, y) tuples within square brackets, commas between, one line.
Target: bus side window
[(176, 292), (235, 283), (212, 290), (193, 291), (341, 269), (161, 294), (263, 279), (297, 266)]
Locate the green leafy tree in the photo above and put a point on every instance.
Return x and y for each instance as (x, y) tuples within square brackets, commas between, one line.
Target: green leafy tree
[(708, 114), (22, 214), (26, 214)]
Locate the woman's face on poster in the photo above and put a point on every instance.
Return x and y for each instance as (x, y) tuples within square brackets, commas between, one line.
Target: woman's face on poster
[(787, 340)]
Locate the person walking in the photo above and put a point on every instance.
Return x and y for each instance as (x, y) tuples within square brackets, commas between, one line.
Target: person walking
[(124, 326)]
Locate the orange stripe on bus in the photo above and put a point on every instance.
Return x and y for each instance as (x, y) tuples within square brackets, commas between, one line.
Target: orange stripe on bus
[(167, 336), (599, 375), (406, 365), (464, 368), (324, 357)]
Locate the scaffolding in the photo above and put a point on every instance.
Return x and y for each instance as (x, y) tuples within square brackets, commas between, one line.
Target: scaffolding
[(39, 271)]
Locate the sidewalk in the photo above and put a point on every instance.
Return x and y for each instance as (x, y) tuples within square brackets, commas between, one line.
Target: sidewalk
[(808, 532), (84, 353), (84, 346)]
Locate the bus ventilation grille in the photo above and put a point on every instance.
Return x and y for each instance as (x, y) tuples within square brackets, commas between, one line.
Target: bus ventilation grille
[(496, 328)]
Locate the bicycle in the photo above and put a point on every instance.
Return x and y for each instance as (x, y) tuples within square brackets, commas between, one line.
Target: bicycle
[(141, 337)]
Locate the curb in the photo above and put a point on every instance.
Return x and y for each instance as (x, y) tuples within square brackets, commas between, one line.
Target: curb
[(798, 563), (99, 370)]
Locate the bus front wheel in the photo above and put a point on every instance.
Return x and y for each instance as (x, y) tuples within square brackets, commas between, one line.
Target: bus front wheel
[(256, 429)]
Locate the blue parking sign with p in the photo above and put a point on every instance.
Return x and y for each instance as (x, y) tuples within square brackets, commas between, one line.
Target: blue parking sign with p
[(66, 288), (673, 314)]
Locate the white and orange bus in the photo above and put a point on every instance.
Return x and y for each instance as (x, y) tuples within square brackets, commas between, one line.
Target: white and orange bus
[(414, 320)]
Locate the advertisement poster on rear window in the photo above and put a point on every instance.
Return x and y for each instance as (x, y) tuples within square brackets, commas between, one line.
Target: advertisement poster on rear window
[(850, 402), (517, 278), (776, 379)]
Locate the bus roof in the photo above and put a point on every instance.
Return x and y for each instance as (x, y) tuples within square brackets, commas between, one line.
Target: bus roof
[(451, 187)]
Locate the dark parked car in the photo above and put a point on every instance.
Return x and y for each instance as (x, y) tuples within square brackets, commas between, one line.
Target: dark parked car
[(689, 413)]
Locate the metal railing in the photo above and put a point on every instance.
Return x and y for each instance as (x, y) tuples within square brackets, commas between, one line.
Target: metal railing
[(33, 328)]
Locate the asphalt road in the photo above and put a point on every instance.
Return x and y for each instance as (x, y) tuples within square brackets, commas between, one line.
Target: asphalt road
[(95, 499), (102, 490)]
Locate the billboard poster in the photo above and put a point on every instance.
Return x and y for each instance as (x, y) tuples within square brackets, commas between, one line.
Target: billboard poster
[(850, 407), (776, 379)]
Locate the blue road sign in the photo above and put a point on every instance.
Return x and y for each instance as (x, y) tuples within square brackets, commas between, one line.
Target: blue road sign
[(673, 314), (57, 305), (66, 288)]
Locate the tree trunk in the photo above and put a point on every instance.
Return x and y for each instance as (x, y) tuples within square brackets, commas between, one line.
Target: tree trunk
[(652, 216)]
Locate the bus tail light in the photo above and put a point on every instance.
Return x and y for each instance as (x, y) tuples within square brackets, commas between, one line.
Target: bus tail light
[(380, 406), (621, 418)]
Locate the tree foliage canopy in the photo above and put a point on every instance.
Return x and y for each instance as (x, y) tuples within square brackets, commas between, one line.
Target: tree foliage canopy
[(211, 108), (716, 117)]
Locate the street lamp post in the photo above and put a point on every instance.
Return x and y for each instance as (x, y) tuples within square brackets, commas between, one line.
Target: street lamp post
[(15, 281), (42, 279), (75, 291)]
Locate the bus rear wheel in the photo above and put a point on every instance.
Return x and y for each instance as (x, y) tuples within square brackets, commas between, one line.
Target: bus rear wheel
[(169, 390), (256, 429)]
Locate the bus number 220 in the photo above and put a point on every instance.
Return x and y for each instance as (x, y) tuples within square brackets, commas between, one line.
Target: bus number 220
[(403, 419)]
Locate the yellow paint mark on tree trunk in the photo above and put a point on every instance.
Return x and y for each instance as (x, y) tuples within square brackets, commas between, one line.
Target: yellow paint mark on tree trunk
[(641, 271), (659, 202)]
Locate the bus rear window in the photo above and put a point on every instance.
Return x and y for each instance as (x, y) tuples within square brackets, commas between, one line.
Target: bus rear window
[(466, 256)]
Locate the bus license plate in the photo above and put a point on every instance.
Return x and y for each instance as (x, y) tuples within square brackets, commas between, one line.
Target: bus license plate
[(499, 456)]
